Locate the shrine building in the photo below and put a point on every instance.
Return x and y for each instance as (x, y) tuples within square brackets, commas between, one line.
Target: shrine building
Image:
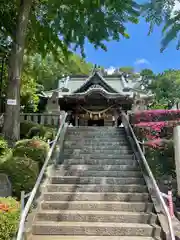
[(97, 99)]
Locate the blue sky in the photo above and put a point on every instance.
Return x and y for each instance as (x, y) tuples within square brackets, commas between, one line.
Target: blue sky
[(140, 51)]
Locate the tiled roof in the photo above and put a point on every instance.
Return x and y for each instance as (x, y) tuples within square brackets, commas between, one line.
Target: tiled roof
[(117, 83)]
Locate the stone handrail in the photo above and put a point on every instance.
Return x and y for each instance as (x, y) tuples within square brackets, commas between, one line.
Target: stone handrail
[(148, 176), (39, 180)]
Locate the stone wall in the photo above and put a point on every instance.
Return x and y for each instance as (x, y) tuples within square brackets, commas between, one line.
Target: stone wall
[(5, 186)]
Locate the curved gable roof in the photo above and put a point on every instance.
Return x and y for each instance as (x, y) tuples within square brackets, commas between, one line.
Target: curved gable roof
[(95, 79)]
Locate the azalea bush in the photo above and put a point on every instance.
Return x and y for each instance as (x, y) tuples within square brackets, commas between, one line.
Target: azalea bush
[(155, 127), (154, 116), (22, 173), (155, 130), (9, 217), (34, 149), (30, 130), (160, 157)]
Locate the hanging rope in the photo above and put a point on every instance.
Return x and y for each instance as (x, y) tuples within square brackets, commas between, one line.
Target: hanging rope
[(96, 112)]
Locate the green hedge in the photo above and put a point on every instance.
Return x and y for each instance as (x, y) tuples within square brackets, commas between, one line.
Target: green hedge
[(30, 130), (22, 172), (161, 160), (3, 146), (35, 149), (9, 218), (25, 127)]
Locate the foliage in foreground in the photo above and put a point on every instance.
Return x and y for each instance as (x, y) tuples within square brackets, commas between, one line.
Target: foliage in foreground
[(9, 217), (161, 159), (47, 26), (3, 146), (155, 125), (22, 173), (154, 116), (157, 12), (30, 130), (158, 138), (23, 163), (34, 149), (74, 21)]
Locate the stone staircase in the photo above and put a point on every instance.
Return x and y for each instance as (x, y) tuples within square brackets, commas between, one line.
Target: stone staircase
[(96, 192)]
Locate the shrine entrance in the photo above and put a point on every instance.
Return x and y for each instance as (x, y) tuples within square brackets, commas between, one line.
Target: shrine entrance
[(99, 122)]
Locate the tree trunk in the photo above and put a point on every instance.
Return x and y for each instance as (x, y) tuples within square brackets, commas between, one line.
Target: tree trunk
[(11, 127)]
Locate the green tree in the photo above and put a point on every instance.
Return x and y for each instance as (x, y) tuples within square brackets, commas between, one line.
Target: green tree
[(147, 77), (146, 72), (157, 12), (42, 26), (47, 71), (129, 70), (166, 87)]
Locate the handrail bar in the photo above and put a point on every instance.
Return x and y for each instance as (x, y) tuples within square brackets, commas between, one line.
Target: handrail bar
[(38, 182), (152, 179)]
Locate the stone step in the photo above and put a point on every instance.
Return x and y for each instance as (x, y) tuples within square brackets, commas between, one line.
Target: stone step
[(105, 138), (98, 156), (96, 216), (93, 142), (87, 173), (96, 196), (95, 147), (89, 167), (96, 138), (94, 180), (95, 128), (96, 132), (72, 237), (96, 188), (95, 229), (97, 143), (99, 206), (101, 161), (97, 151), (111, 155)]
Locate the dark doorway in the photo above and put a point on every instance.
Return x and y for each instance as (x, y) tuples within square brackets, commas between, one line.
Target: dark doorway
[(98, 123)]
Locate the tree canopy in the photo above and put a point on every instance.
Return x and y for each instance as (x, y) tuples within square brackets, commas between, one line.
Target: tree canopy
[(67, 24), (166, 88), (47, 71), (47, 26), (157, 12)]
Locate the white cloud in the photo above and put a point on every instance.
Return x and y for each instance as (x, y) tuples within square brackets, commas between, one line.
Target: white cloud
[(177, 5), (110, 70), (175, 8), (141, 61)]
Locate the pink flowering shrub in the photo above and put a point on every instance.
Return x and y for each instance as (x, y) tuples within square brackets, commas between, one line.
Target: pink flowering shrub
[(156, 143), (155, 130), (154, 116), (155, 127)]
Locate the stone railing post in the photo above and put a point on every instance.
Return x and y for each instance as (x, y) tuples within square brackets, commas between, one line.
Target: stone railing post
[(176, 134)]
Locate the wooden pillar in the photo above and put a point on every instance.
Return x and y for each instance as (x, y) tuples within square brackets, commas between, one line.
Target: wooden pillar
[(177, 155)]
